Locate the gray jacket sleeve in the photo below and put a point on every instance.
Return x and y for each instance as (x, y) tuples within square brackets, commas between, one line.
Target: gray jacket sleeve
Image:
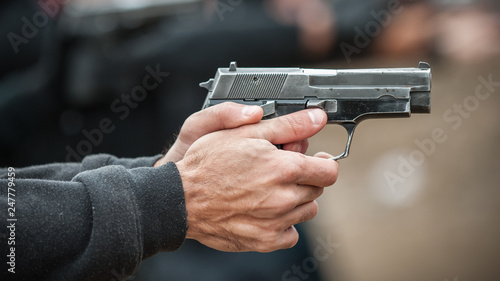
[(95, 220)]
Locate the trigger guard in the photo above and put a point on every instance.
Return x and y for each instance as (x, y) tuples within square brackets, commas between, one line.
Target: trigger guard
[(349, 127)]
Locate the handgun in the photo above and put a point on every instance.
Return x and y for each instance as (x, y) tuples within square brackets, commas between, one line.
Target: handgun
[(348, 96)]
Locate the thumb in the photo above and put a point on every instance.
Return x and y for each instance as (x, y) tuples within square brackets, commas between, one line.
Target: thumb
[(228, 115)]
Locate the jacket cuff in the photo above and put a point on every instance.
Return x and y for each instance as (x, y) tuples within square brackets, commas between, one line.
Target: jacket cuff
[(162, 208)]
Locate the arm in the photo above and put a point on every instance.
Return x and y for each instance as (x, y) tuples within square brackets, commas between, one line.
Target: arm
[(66, 171), (105, 221), (102, 217), (98, 223)]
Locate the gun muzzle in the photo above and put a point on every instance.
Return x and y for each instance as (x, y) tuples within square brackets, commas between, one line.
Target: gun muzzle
[(420, 102)]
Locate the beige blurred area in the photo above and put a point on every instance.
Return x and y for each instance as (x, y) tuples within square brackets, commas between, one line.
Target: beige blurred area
[(403, 212)]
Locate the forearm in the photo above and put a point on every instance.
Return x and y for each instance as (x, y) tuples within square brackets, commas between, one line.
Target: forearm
[(101, 222), (66, 171), (101, 160)]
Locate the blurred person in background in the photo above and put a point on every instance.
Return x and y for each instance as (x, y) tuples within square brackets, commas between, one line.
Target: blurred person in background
[(465, 31)]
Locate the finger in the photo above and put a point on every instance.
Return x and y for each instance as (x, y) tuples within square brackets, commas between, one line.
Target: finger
[(288, 128), (287, 200), (298, 146), (307, 170), (302, 213), (319, 172), (307, 193), (323, 155), (289, 238), (227, 115), (219, 117)]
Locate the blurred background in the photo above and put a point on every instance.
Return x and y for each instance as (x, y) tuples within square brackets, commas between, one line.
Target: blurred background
[(417, 199)]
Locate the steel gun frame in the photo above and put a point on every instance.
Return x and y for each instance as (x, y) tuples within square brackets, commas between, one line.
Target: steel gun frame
[(348, 96)]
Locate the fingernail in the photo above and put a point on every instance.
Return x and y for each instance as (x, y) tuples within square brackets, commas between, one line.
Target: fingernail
[(249, 110), (316, 116)]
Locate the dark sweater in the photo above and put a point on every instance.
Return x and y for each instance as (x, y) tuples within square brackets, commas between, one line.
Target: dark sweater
[(95, 220)]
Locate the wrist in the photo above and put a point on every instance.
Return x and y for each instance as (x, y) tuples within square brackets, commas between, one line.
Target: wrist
[(160, 162), (194, 196)]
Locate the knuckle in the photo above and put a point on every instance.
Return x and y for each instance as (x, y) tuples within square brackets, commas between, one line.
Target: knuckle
[(266, 132), (258, 148), (217, 113), (287, 173), (268, 242), (314, 192), (308, 212), (262, 143), (288, 201), (295, 123), (276, 239), (190, 121), (292, 167), (220, 113)]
